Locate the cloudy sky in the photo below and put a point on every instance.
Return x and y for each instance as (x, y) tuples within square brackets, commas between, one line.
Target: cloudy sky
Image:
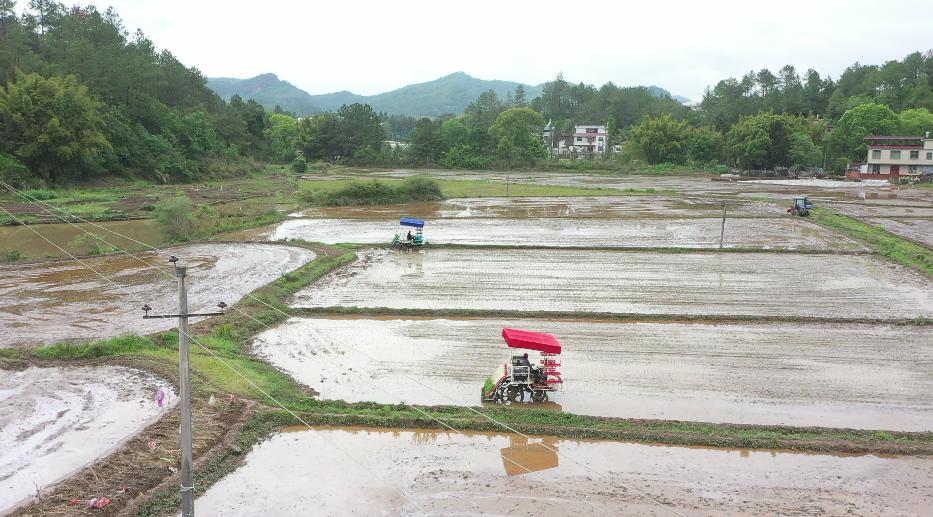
[(372, 46)]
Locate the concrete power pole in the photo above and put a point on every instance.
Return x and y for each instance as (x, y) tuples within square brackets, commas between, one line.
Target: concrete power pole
[(184, 387), (184, 384)]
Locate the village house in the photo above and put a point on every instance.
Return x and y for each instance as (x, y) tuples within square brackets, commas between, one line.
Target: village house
[(894, 157), (585, 139)]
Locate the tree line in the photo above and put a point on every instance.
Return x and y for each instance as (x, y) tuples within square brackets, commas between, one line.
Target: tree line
[(82, 98)]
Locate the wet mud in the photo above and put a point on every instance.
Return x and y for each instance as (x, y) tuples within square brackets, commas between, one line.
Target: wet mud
[(54, 421), (784, 233), (30, 245), (395, 472), (843, 376), (917, 230), (45, 302), (576, 281)]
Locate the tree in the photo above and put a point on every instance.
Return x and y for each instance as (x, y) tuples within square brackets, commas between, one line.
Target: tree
[(517, 134), (53, 126), (761, 141), (661, 139), (914, 122), (359, 126), (803, 152), (704, 145), (857, 123), (427, 144), (282, 134), (520, 94)]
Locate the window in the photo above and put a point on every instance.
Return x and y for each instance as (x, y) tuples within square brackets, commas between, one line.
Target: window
[(600, 148), (929, 156), (592, 130), (912, 169), (876, 154), (579, 139), (895, 154), (876, 169), (600, 139), (914, 155)]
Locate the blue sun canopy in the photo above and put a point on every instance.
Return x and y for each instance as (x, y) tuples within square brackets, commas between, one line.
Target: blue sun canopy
[(411, 221)]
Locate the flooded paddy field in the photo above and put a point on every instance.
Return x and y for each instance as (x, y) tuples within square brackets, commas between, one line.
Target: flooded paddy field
[(396, 472), (54, 421), (577, 281), (784, 233), (848, 376), (50, 301), (70, 237)]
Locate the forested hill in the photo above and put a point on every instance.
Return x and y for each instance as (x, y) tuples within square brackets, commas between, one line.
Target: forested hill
[(80, 98), (268, 90), (449, 94)]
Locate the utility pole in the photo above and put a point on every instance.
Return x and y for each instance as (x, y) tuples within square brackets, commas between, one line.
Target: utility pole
[(507, 173), (184, 387), (184, 384), (722, 232)]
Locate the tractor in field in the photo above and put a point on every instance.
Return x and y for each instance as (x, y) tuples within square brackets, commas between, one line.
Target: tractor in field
[(518, 376), (801, 206), (410, 240)]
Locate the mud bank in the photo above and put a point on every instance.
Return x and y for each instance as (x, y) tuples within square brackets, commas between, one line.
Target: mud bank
[(917, 230), (752, 284), (54, 421), (774, 233), (843, 376), (30, 245), (603, 207), (52, 301), (411, 472)]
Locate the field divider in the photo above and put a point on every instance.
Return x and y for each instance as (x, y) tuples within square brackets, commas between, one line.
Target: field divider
[(603, 317), (619, 249)]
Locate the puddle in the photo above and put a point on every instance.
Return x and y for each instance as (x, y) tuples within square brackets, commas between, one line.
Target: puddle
[(757, 284), (851, 376), (30, 245), (53, 301), (407, 472), (784, 233), (55, 421)]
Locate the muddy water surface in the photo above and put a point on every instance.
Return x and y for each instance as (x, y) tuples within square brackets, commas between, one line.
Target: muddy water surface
[(852, 376), (783, 233), (52, 301), (394, 472), (757, 284), (55, 421), (30, 245)]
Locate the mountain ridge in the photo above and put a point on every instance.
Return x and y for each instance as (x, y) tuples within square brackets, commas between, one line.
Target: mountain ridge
[(451, 93)]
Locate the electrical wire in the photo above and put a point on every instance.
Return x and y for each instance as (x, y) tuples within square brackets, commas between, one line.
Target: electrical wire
[(415, 380)]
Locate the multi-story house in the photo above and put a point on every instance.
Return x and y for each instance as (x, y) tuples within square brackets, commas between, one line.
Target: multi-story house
[(892, 157), (584, 140)]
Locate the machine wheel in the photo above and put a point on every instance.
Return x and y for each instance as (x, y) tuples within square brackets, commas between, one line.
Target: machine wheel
[(539, 396), (514, 394)]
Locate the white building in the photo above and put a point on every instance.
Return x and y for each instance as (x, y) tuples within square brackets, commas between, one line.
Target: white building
[(590, 139), (897, 156)]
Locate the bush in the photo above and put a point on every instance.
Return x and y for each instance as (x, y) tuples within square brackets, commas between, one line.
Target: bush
[(175, 217), (299, 165), (41, 194), (12, 256), (378, 193)]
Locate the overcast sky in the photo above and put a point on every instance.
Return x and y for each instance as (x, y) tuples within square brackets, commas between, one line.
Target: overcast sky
[(372, 46)]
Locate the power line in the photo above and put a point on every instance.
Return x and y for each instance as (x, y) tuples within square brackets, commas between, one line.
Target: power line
[(215, 356), (419, 410), (481, 414)]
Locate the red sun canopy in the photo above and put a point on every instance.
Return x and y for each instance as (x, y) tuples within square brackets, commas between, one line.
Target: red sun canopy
[(541, 342)]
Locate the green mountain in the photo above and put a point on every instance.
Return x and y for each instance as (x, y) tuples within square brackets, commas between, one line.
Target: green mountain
[(268, 90), (449, 94)]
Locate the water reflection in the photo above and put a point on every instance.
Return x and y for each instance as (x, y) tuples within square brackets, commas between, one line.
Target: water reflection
[(523, 457)]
